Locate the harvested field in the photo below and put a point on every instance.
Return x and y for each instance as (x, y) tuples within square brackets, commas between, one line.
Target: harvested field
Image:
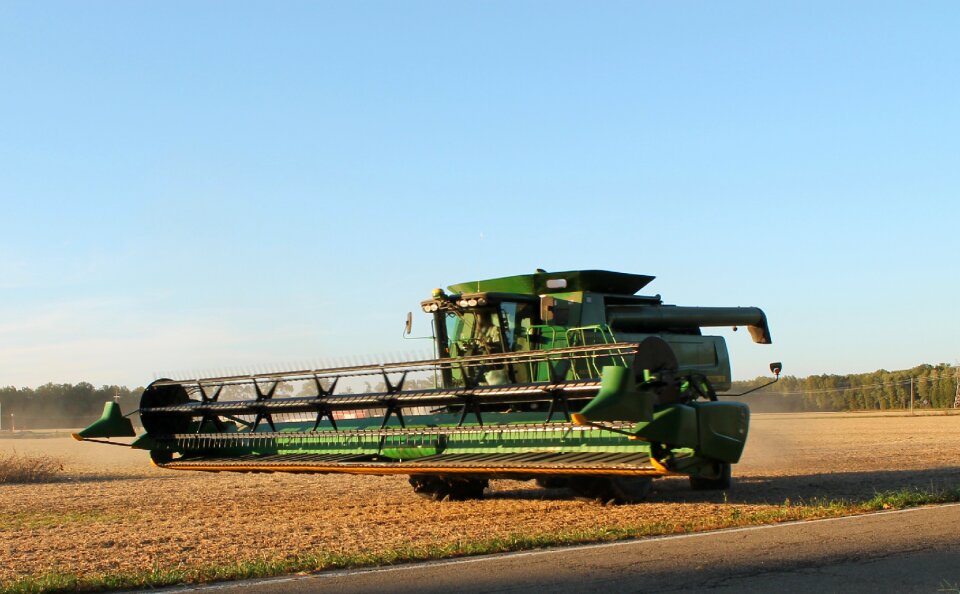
[(113, 512)]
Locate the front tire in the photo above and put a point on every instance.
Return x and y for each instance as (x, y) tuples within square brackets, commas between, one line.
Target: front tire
[(448, 488), (611, 489), (553, 482)]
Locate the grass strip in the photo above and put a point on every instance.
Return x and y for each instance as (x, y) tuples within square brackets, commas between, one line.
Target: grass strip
[(733, 517)]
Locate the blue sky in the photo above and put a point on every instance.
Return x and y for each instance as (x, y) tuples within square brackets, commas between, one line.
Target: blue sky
[(209, 186)]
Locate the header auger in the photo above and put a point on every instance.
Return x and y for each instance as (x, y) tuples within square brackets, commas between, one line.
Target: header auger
[(567, 378)]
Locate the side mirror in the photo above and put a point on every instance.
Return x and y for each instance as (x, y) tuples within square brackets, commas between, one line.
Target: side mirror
[(776, 368), (408, 328)]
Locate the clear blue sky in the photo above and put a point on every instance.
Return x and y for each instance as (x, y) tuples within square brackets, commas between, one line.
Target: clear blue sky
[(208, 185)]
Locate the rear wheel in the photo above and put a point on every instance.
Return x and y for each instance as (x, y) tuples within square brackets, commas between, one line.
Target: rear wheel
[(447, 488), (719, 483)]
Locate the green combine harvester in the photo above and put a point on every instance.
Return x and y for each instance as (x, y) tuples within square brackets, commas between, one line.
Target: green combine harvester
[(567, 378)]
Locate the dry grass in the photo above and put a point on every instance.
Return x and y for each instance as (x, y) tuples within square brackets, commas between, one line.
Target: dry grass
[(20, 468)]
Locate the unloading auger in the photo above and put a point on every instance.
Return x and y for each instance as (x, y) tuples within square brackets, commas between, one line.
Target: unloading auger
[(568, 378)]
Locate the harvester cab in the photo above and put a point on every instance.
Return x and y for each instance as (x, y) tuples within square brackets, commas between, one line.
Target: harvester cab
[(569, 378)]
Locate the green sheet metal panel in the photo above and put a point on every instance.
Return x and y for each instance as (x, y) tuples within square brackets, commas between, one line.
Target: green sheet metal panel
[(598, 281)]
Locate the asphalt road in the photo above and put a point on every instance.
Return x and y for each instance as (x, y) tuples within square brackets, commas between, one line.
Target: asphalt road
[(915, 550)]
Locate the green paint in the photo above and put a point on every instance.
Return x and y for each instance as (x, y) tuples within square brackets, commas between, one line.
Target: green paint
[(111, 424), (600, 281), (619, 399)]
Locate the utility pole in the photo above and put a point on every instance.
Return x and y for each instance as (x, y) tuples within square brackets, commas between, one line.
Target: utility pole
[(956, 398), (911, 395)]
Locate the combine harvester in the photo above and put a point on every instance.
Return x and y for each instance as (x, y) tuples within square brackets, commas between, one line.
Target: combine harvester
[(568, 378)]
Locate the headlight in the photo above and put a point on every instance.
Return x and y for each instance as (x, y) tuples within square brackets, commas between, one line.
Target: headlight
[(434, 307), (472, 303)]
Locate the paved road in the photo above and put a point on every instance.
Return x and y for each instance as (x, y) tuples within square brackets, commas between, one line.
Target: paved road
[(915, 550)]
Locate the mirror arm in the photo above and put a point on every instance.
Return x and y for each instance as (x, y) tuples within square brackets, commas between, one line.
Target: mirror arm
[(775, 380), (775, 368), (408, 330)]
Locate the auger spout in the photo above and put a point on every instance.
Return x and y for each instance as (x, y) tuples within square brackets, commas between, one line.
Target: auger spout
[(657, 318)]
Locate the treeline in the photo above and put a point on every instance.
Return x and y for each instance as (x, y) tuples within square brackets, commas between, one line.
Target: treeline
[(934, 386), (52, 406)]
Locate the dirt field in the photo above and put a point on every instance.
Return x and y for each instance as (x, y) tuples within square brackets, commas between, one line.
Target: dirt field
[(115, 512)]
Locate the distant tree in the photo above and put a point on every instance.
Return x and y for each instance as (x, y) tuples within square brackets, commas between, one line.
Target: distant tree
[(934, 386)]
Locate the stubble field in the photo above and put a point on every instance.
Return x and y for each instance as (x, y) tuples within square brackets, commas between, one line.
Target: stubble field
[(111, 512)]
